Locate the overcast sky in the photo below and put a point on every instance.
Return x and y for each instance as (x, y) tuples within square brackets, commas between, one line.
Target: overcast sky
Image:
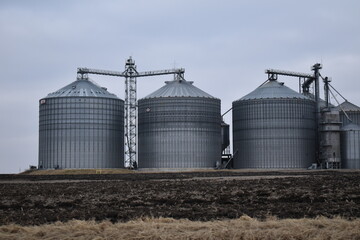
[(224, 46)]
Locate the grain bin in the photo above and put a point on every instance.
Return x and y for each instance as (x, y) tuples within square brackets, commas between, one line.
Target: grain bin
[(179, 126), (351, 110), (81, 126), (274, 127), (350, 146)]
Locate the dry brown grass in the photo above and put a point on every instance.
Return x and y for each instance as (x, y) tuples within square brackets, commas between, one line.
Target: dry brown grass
[(166, 228)]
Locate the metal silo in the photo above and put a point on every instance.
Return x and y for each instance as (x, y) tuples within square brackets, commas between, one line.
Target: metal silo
[(81, 126), (350, 146), (351, 110), (179, 126), (274, 127), (321, 101)]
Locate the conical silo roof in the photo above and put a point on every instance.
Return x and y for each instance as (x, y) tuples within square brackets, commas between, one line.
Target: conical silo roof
[(178, 88), (322, 101), (82, 88), (348, 107), (273, 90)]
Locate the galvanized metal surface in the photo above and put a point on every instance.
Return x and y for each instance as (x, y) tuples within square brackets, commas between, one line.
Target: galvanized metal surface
[(322, 102), (351, 110), (330, 156), (81, 132), (271, 90), (179, 132), (348, 107), (131, 74), (179, 88), (274, 127), (350, 146), (82, 88), (354, 116)]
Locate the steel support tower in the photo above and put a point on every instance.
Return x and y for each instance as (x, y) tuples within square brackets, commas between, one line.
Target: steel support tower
[(130, 112), (130, 74)]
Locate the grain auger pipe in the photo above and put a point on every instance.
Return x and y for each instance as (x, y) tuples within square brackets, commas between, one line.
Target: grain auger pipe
[(327, 90), (130, 74)]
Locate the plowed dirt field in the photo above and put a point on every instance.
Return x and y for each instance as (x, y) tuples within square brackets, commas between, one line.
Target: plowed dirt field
[(35, 200)]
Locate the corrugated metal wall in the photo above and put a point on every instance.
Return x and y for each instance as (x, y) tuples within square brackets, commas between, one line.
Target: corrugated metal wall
[(179, 132), (81, 132), (274, 133), (350, 147), (353, 115), (330, 153), (352, 110)]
